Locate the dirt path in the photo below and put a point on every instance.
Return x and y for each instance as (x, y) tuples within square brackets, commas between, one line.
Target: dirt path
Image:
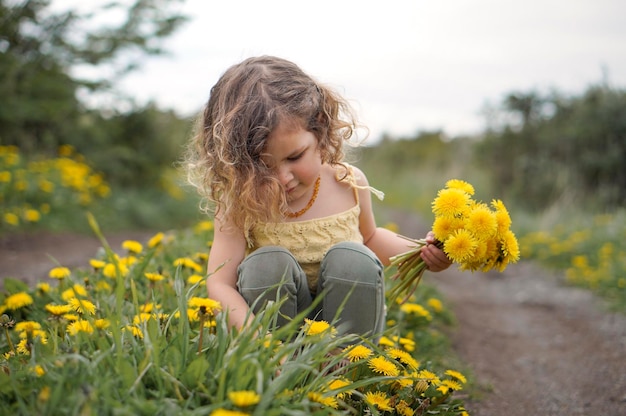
[(535, 346)]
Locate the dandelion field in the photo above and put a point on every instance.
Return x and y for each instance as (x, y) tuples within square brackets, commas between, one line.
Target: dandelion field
[(591, 250), (134, 333)]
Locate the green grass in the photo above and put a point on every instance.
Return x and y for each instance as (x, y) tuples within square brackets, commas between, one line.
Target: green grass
[(136, 345)]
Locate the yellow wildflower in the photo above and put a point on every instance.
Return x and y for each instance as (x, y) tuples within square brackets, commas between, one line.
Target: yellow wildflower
[(244, 398), (379, 400), (450, 202), (154, 277), (58, 310), (456, 375), (357, 352), (460, 246), (325, 401), (18, 300), (132, 246), (404, 357), (312, 327), (226, 412), (59, 273), (381, 365), (82, 306), (80, 325), (462, 185), (155, 240)]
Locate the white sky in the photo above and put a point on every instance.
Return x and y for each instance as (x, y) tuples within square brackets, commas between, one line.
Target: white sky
[(406, 66)]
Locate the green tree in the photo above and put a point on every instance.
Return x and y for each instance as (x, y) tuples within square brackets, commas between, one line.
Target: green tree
[(39, 47), (560, 146)]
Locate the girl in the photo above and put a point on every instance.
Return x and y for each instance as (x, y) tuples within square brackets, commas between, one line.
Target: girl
[(291, 218)]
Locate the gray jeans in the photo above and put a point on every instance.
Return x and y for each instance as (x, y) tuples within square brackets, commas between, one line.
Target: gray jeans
[(350, 277)]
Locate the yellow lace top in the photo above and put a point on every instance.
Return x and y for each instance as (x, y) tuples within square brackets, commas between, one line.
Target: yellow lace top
[(309, 240)]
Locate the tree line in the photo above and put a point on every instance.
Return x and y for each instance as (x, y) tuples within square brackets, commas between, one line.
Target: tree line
[(539, 148)]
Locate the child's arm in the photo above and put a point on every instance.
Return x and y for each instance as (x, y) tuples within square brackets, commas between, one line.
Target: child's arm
[(386, 243), (227, 252)]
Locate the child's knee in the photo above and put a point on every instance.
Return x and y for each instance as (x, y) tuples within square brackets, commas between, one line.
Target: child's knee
[(352, 261), (268, 266)]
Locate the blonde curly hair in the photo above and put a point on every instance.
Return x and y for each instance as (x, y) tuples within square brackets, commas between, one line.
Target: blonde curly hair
[(248, 102)]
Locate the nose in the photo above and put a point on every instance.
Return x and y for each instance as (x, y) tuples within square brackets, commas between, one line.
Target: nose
[(284, 175)]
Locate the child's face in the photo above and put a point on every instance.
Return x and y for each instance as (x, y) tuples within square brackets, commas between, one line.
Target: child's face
[(294, 155)]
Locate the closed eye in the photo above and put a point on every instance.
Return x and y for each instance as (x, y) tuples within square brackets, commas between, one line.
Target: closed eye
[(296, 157)]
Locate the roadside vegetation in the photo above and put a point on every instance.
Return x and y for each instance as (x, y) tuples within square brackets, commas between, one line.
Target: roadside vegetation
[(133, 332)]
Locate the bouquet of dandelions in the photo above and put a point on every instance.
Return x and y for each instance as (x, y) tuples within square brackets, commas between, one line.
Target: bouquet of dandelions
[(472, 234)]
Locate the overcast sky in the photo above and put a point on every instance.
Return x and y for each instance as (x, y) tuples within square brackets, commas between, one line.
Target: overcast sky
[(406, 66)]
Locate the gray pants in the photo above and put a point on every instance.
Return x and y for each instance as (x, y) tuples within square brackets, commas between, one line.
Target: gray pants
[(350, 275)]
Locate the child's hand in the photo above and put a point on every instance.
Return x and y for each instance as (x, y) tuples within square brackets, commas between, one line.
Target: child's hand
[(435, 259)]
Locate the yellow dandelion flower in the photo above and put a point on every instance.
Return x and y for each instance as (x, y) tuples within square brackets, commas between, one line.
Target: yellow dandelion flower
[(58, 310), (450, 203), (70, 317), (379, 400), (462, 185), (102, 323), (103, 286), (195, 278), (386, 342), (155, 240), (503, 218), (82, 306), (381, 365), (78, 326), (96, 264), (340, 384), (429, 376), (44, 394), (444, 227), (203, 226), (142, 317), (132, 246), (403, 409), (59, 273), (43, 287), (22, 347), (510, 246), (186, 262), (452, 384), (18, 300), (460, 246), (38, 370), (435, 304), (32, 215), (110, 270), (11, 219), (325, 401), (357, 352), (456, 375), (312, 328), (75, 291), (407, 343), (27, 327), (244, 398), (209, 306), (226, 412), (404, 357), (154, 277), (416, 309), (481, 222), (135, 331)]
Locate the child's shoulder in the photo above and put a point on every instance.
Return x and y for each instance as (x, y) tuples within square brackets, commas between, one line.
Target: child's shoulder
[(351, 174)]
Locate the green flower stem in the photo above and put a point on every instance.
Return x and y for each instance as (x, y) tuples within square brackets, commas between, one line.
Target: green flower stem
[(6, 331)]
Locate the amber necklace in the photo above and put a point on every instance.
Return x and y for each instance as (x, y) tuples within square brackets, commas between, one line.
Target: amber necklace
[(316, 189)]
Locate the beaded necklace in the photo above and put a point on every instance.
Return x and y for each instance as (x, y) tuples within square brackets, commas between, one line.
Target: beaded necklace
[(316, 189)]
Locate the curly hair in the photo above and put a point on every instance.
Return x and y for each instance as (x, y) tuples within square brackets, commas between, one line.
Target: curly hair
[(249, 101)]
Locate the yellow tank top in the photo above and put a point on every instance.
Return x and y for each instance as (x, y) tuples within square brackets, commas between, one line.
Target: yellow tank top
[(309, 240)]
